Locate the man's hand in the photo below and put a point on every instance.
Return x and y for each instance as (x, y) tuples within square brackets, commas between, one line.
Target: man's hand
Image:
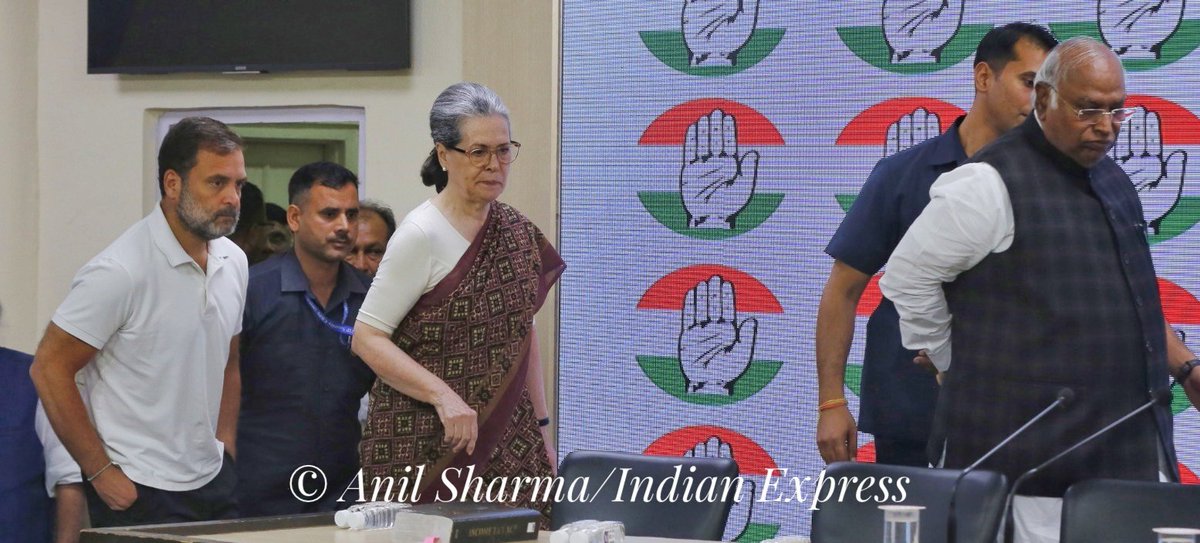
[(739, 513), (715, 183), (115, 489), (1136, 29), (837, 435), (922, 359), (714, 31), (917, 30), (58, 358), (1157, 178), (911, 129), (714, 348)]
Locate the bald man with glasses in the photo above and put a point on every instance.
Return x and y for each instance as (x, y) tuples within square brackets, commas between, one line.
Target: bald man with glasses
[(1033, 259)]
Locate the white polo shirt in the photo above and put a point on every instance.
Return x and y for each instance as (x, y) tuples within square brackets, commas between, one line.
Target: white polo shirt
[(163, 328)]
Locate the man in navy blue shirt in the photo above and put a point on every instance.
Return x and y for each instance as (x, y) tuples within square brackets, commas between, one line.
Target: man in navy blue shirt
[(28, 467), (897, 395), (300, 383), (25, 509)]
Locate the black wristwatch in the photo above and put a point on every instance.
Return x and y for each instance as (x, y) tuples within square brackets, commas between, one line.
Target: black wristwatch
[(1186, 369)]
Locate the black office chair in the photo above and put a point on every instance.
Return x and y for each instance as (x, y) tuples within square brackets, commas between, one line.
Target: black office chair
[(1126, 511), (691, 519), (980, 499)]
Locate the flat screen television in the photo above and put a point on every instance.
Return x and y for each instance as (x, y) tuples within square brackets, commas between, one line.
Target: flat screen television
[(164, 36)]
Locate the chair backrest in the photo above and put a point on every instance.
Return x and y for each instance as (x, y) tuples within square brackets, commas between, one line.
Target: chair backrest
[(1126, 511), (608, 473), (978, 506)]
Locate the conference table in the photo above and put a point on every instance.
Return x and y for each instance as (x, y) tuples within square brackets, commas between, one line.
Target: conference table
[(313, 528)]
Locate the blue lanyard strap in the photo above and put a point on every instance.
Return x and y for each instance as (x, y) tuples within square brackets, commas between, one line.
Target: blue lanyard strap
[(341, 329)]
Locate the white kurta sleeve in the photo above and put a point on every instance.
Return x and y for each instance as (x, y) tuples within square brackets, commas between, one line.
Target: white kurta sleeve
[(969, 216)]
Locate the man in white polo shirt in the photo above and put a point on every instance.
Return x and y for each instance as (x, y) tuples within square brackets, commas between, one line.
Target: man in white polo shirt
[(132, 368)]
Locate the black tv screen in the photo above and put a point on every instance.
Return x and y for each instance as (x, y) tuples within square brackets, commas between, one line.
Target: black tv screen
[(162, 36)]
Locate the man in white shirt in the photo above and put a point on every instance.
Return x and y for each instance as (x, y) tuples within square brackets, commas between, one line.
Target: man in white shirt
[(1035, 257), (146, 334)]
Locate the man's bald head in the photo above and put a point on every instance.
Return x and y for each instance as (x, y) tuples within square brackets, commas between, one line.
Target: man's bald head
[(1080, 74), (1074, 55)]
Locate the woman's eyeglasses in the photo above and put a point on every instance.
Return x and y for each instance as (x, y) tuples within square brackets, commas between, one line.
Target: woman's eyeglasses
[(480, 157)]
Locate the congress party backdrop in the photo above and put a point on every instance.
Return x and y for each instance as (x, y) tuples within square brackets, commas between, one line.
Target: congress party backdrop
[(710, 149)]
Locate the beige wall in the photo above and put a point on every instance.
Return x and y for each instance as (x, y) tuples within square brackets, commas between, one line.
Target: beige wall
[(95, 133), (79, 149), (522, 67), (18, 173)]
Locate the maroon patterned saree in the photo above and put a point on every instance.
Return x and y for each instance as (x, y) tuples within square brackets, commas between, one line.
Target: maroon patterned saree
[(473, 331)]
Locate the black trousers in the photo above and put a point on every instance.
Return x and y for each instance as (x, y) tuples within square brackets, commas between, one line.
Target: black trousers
[(213, 501)]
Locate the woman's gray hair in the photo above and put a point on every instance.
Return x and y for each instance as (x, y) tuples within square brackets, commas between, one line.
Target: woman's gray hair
[(1069, 55), (458, 102)]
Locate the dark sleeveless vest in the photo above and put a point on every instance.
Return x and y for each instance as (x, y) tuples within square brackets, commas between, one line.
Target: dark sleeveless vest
[(1072, 303)]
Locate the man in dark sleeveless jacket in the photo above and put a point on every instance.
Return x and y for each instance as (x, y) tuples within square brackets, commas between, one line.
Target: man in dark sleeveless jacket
[(1038, 250), (897, 398)]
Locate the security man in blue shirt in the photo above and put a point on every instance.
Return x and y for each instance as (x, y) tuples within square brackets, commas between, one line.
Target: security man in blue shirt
[(301, 385)]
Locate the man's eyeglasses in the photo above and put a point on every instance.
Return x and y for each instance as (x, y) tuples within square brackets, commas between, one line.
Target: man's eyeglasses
[(1093, 115), (480, 157)]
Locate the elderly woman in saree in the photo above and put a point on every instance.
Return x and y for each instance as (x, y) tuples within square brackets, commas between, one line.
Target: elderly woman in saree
[(448, 322)]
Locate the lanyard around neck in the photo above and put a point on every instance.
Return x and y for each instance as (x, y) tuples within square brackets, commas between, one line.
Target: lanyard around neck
[(342, 329)]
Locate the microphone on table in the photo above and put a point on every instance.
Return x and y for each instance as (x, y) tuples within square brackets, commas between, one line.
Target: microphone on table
[(1160, 396), (1064, 398)]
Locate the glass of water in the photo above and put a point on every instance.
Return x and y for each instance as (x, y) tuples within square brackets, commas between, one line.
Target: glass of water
[(901, 523), (1177, 535)]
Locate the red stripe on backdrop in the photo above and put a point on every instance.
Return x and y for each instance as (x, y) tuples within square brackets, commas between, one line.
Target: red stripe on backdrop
[(870, 126), (871, 297), (1179, 305), (1179, 126), (750, 294), (751, 458), (752, 127), (1187, 476), (866, 453)]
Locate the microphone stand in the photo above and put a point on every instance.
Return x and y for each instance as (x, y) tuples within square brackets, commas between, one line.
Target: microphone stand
[(1064, 397), (1158, 397)]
